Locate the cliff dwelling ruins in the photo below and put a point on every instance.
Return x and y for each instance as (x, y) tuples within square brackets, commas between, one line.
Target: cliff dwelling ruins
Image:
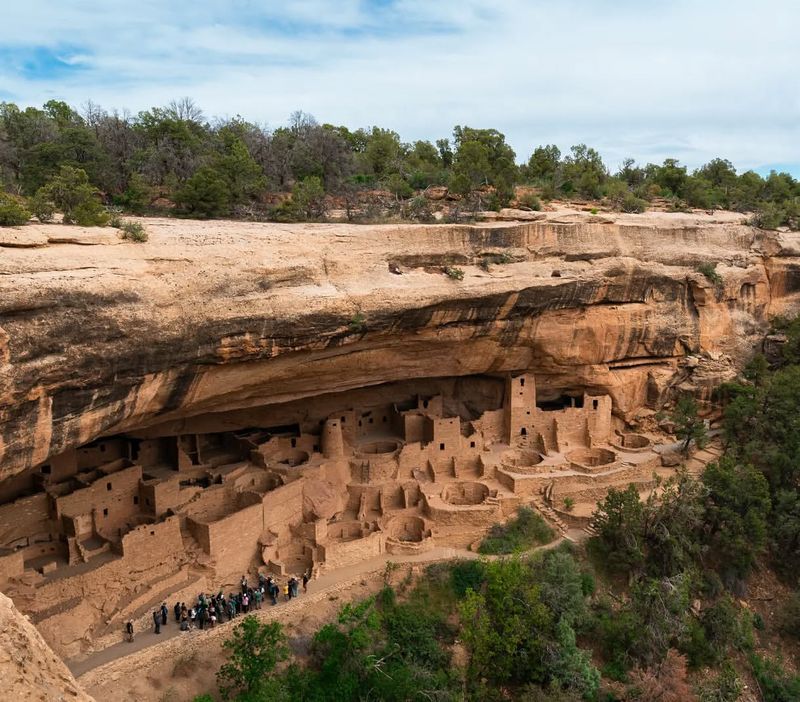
[(233, 397), (142, 514)]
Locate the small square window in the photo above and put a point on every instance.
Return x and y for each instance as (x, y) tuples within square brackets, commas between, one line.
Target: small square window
[(108, 486), (594, 404), (370, 420), (105, 512), (472, 444), (136, 499), (441, 447), (316, 447), (294, 443), (343, 419), (152, 533)]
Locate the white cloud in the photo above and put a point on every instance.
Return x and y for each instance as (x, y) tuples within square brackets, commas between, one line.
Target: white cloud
[(692, 80)]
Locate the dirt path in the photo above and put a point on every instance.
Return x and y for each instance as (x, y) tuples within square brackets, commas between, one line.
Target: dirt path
[(148, 646)]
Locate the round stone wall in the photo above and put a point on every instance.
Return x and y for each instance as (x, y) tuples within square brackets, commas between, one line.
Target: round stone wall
[(591, 459)]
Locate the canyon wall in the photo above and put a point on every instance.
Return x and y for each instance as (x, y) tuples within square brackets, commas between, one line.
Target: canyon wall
[(100, 336)]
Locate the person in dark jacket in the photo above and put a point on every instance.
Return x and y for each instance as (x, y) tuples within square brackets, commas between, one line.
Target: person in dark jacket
[(157, 621)]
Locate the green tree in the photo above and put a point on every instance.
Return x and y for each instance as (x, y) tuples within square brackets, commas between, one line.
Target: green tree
[(72, 194), (737, 510), (482, 157), (584, 171), (13, 212), (206, 193), (308, 196), (688, 425), (544, 163), (502, 625), (254, 649)]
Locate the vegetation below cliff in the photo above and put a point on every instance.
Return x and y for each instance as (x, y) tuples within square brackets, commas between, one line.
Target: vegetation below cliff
[(660, 606), (174, 159)]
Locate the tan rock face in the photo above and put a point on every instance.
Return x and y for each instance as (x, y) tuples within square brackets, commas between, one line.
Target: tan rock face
[(29, 669), (218, 316)]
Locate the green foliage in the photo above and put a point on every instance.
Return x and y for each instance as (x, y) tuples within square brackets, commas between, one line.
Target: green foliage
[(308, 196), (454, 273), (531, 201), (688, 425), (70, 192), (137, 194), (134, 231), (725, 687), (42, 206), (254, 649), (737, 510), (789, 616), (357, 323), (133, 158), (709, 270), (13, 212), (206, 194), (526, 530), (775, 684), (482, 158)]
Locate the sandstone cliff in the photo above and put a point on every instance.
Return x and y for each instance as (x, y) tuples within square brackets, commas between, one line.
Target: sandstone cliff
[(99, 336), (29, 670)]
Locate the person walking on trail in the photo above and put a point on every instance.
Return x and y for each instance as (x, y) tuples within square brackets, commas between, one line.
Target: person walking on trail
[(305, 582), (273, 592), (164, 612), (129, 630), (177, 611), (244, 584), (157, 621), (286, 593)]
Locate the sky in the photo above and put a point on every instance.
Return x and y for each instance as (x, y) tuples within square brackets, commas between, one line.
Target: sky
[(646, 79)]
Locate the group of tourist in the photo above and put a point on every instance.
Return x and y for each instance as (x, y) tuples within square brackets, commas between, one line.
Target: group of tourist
[(209, 610)]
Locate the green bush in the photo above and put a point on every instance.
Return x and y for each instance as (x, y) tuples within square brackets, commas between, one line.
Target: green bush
[(454, 273), (134, 231), (71, 192), (521, 533), (42, 207), (775, 683), (205, 194), (709, 270), (13, 212), (633, 204), (530, 200)]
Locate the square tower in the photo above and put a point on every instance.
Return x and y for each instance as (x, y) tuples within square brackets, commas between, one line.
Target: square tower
[(520, 407)]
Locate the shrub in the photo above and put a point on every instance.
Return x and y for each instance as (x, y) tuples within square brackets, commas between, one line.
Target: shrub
[(205, 194), (726, 687), (633, 204), (134, 231), (42, 207), (775, 683), (530, 200), (454, 273), (13, 212), (357, 323), (569, 504), (709, 270), (309, 197), (524, 531), (71, 192)]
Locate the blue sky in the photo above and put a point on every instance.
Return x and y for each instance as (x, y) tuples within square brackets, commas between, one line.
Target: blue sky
[(690, 79)]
